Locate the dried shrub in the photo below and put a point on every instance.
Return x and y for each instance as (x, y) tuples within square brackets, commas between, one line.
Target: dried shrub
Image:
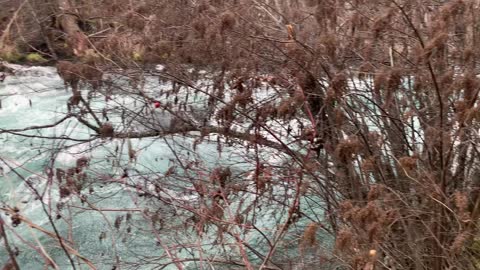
[(16, 219), (216, 211), (262, 177), (376, 191), (243, 98), (408, 163), (347, 149), (200, 26), (412, 43), (106, 131), (226, 114), (381, 22), (338, 84), (135, 21), (200, 188), (73, 73), (82, 162), (286, 109), (228, 21), (91, 75), (368, 214), (436, 43), (69, 72), (64, 191), (345, 240)]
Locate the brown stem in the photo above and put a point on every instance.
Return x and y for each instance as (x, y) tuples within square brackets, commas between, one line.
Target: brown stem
[(10, 252)]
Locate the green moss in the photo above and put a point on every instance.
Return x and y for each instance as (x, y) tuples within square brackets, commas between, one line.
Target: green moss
[(11, 56), (35, 57)]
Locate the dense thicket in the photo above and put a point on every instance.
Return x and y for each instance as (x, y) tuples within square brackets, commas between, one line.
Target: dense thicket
[(369, 106)]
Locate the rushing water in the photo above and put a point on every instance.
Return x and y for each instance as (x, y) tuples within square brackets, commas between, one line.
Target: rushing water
[(36, 96)]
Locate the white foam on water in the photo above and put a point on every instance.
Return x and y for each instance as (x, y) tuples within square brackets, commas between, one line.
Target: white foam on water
[(70, 155)]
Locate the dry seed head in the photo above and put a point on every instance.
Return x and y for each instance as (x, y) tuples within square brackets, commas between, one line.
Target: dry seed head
[(368, 214), (461, 201), (392, 85), (106, 131), (360, 262), (459, 242), (408, 163), (374, 231), (368, 165), (346, 206), (309, 238), (407, 116), (304, 188), (348, 211), (344, 239), (375, 192), (347, 149)]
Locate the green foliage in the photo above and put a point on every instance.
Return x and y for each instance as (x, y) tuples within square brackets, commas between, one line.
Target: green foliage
[(35, 57)]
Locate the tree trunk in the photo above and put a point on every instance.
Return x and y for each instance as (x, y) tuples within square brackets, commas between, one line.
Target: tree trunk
[(77, 40)]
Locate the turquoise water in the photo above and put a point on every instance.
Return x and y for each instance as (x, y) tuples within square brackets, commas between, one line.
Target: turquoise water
[(37, 96)]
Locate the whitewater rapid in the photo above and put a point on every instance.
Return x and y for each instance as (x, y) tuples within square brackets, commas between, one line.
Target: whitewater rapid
[(37, 96)]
